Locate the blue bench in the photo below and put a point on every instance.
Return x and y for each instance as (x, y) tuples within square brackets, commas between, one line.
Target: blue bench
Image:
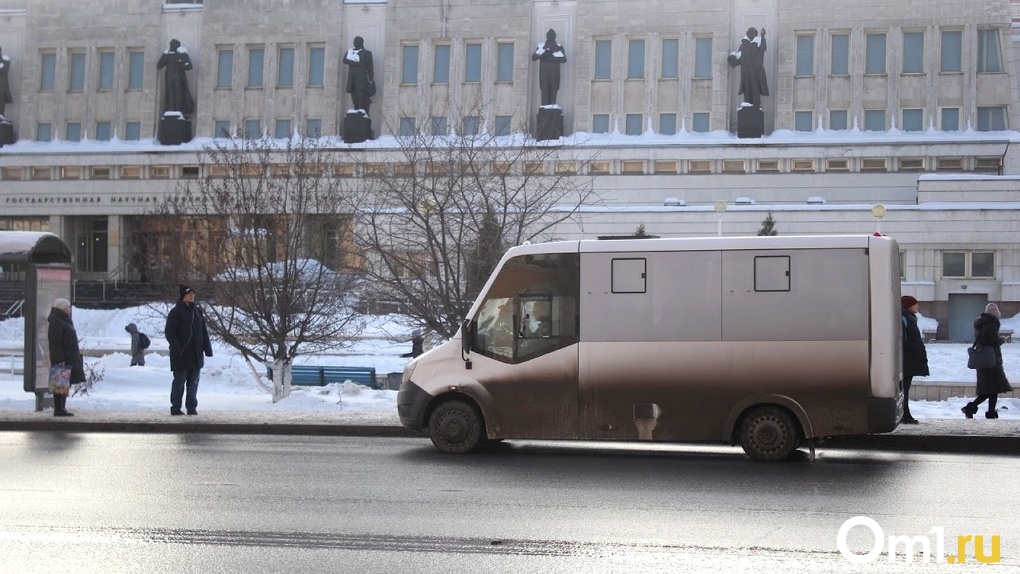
[(310, 375)]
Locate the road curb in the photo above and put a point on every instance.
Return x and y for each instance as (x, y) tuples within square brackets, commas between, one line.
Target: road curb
[(977, 444), (385, 431)]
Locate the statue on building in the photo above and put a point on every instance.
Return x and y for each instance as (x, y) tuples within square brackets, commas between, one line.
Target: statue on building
[(176, 96), (750, 57), (360, 75), (5, 82), (550, 55)]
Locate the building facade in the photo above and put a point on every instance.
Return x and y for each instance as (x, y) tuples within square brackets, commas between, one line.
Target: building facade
[(912, 109)]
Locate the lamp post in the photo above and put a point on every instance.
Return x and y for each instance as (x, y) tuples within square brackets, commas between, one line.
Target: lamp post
[(720, 209), (878, 211)]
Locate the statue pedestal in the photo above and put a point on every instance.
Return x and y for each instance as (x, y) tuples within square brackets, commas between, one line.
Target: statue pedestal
[(750, 122), (549, 125), (7, 133), (174, 129), (357, 127)]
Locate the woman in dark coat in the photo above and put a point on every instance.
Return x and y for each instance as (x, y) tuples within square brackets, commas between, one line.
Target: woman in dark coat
[(991, 381), (915, 357), (64, 351)]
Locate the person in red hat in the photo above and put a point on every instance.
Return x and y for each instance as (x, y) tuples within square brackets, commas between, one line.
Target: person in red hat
[(915, 357)]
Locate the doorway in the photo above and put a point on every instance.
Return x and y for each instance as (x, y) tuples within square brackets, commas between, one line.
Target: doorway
[(963, 309)]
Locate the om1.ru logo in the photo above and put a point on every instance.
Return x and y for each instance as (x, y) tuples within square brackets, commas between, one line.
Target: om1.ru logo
[(909, 543)]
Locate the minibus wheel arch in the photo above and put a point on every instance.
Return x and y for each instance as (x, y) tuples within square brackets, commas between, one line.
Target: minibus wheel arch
[(455, 423)]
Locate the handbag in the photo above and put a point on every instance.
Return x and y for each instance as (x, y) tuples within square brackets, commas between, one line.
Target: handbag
[(371, 87), (60, 380), (980, 357)]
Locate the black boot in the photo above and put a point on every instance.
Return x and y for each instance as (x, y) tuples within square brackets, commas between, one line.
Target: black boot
[(969, 410), (60, 406), (992, 415)]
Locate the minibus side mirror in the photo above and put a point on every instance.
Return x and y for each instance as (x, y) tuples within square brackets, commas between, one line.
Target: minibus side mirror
[(468, 332)]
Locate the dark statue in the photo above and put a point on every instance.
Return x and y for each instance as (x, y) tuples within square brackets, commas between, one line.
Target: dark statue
[(749, 57), (550, 55), (176, 96), (5, 82), (360, 75)]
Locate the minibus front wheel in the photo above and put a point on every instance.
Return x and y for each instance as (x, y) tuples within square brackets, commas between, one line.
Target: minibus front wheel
[(456, 427), (769, 434)]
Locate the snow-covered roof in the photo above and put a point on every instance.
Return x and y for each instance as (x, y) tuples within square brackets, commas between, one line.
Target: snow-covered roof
[(32, 246)]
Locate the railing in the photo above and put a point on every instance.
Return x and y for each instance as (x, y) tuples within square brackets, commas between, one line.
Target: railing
[(15, 309)]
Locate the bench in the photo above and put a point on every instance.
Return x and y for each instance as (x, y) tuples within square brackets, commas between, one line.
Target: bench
[(310, 375)]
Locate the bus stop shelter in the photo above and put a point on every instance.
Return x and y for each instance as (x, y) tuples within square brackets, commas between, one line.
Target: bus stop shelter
[(41, 262)]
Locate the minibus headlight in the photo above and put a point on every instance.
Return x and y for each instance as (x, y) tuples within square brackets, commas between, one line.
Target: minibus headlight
[(407, 372)]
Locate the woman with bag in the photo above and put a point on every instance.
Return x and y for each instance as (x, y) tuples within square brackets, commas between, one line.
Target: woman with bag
[(915, 357), (64, 355), (990, 381)]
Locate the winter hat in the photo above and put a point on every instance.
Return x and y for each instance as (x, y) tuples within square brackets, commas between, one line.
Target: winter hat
[(65, 305), (131, 328), (185, 290), (993, 310), (907, 301)]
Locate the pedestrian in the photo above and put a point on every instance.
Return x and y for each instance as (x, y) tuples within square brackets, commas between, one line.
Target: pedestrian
[(915, 357), (417, 344), (189, 340), (64, 350), (990, 381), (137, 348)]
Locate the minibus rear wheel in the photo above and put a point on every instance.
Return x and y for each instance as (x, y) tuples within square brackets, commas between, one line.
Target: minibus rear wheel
[(456, 427), (769, 434)]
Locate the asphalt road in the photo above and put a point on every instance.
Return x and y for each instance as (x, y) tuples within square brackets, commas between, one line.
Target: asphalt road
[(80, 502)]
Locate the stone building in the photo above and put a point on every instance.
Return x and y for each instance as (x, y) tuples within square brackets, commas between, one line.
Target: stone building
[(912, 109)]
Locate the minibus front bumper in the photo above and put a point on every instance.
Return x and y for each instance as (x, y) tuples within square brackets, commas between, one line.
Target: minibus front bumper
[(411, 403)]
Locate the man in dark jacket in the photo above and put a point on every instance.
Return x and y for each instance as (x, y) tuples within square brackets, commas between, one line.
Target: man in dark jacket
[(915, 357), (189, 340), (990, 381), (64, 351)]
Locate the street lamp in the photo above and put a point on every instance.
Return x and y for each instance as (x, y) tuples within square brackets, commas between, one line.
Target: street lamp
[(878, 211), (720, 209)]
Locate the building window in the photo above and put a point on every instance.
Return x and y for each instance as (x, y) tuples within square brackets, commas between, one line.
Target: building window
[(133, 131), (634, 124), (282, 129), (703, 58), (913, 120), (837, 120), (91, 239), (968, 264), (106, 70), (670, 58), (950, 58), (603, 59), (504, 125), (407, 126), (600, 124), (285, 68), (44, 132), (874, 120), (316, 66), (950, 119), (76, 82), (505, 62), (73, 132), (103, 131), (256, 64), (667, 124), (441, 65), (224, 68), (636, 59), (991, 119), (136, 69), (806, 55), (875, 54), (471, 125), (438, 125), (840, 65), (473, 63), (409, 64), (803, 121), (49, 72), (989, 57), (913, 53), (701, 122), (313, 128), (252, 129), (221, 129)]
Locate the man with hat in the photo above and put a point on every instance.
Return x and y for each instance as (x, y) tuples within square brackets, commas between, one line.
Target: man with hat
[(189, 340), (915, 357)]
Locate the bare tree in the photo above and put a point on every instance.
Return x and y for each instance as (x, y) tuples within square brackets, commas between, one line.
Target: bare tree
[(266, 232), (438, 218)]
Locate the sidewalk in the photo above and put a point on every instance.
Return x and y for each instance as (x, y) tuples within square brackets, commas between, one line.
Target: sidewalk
[(979, 435)]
